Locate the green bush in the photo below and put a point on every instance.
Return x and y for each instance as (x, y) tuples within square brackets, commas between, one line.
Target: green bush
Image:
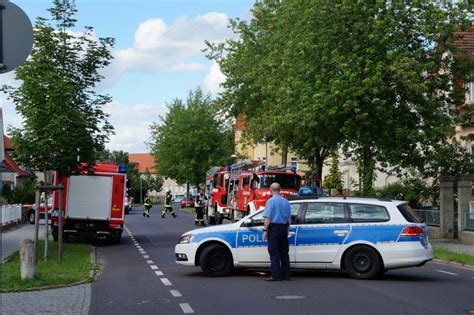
[(22, 193), (413, 191)]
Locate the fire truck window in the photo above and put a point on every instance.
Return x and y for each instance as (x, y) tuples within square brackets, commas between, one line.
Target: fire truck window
[(285, 180), (245, 182)]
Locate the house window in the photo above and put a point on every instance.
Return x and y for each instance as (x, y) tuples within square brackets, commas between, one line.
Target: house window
[(294, 162), (470, 92)]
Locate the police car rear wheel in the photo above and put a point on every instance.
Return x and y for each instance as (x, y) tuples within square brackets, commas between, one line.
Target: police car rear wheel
[(216, 261), (363, 262)]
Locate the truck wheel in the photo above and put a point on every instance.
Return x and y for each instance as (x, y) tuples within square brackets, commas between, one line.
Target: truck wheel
[(363, 262), (216, 261), (31, 216)]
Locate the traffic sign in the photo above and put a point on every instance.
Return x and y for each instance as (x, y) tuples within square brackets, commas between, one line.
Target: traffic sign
[(16, 36)]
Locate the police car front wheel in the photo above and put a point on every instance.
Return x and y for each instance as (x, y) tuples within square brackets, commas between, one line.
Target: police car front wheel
[(216, 261), (363, 262)]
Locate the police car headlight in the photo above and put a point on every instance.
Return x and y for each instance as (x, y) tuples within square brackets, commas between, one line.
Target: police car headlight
[(185, 239)]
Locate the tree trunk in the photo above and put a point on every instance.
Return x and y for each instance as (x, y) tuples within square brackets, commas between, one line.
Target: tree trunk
[(284, 155), (366, 170)]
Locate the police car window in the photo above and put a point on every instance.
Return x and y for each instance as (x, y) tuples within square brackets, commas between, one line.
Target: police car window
[(317, 213), (368, 213), (258, 219)]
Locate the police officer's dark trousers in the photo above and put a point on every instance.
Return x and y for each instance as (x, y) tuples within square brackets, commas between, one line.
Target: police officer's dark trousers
[(278, 249)]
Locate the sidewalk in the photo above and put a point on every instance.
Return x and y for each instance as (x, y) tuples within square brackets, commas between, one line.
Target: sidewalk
[(452, 245), (11, 238)]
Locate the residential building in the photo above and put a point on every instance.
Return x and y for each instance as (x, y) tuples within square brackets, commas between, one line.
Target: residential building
[(146, 162)]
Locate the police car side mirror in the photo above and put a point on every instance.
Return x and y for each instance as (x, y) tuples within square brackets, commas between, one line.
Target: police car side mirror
[(247, 222)]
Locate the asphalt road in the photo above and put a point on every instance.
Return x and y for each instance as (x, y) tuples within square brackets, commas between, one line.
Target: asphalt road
[(146, 280)]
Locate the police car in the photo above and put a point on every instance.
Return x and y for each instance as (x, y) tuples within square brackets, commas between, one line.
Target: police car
[(361, 236)]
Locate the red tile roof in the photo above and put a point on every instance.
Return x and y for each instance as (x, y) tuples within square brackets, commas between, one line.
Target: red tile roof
[(143, 162), (7, 143), (10, 164)]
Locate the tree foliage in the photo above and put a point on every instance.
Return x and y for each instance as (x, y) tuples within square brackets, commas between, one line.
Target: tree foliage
[(375, 77), (62, 112), (334, 178), (190, 139)]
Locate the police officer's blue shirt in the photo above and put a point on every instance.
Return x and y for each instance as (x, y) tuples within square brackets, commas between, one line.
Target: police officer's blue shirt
[(278, 210)]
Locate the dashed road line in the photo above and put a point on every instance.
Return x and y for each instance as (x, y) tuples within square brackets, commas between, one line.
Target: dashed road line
[(166, 281), (448, 273), (176, 293), (186, 308)]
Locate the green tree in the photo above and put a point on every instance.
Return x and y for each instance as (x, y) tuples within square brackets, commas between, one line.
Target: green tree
[(63, 121), (333, 179), (373, 76), (190, 139), (272, 77)]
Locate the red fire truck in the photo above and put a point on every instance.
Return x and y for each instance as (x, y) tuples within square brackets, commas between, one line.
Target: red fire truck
[(93, 203), (244, 188)]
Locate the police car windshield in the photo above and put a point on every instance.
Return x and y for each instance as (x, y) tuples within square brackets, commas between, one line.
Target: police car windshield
[(285, 180)]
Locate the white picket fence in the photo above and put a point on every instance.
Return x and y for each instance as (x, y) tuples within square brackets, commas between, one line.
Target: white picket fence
[(11, 213)]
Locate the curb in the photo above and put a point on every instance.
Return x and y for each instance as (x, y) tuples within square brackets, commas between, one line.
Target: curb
[(446, 262), (93, 273)]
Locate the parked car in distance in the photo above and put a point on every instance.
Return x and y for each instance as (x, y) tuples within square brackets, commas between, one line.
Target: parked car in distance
[(32, 207), (178, 198), (127, 204), (187, 203)]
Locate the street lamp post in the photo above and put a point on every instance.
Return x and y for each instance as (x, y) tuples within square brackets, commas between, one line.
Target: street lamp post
[(141, 193)]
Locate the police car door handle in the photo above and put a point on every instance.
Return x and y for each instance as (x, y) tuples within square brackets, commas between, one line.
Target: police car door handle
[(341, 232)]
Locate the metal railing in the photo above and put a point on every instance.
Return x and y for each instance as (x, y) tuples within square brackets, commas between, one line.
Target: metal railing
[(469, 221), (11, 213), (429, 216)]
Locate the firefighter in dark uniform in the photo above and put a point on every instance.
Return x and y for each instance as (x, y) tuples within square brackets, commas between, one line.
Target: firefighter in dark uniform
[(168, 205), (147, 204), (200, 204)]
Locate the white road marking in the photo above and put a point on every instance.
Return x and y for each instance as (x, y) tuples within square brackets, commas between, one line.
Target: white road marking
[(159, 273), (146, 256), (165, 281), (175, 293), (149, 262), (186, 308), (142, 251), (154, 267), (447, 272)]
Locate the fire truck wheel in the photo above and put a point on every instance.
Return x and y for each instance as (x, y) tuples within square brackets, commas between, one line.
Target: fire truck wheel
[(31, 216), (216, 261)]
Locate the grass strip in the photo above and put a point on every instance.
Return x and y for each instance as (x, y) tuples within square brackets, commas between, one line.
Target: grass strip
[(446, 255), (74, 268)]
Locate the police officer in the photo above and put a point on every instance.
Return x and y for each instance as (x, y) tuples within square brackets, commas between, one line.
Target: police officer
[(200, 203), (168, 205), (147, 205), (277, 216)]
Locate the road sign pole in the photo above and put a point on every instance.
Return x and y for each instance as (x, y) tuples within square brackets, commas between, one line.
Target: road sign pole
[(60, 226), (2, 9)]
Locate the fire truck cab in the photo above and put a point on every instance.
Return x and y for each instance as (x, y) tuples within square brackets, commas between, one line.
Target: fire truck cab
[(244, 188), (93, 203)]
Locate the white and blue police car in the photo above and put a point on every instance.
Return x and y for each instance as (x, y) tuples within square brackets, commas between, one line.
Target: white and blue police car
[(361, 236)]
